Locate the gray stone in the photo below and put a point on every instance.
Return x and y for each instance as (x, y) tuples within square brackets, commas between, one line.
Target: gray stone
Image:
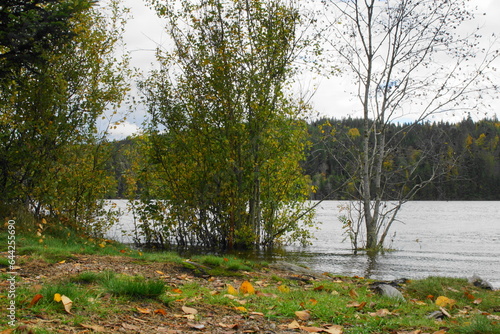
[(389, 291), (480, 283)]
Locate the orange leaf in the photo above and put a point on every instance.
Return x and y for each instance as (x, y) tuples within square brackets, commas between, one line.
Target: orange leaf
[(303, 315), (313, 301), (35, 299), (477, 301), (143, 310), (122, 251), (226, 259), (160, 272), (161, 311), (319, 288), (247, 288), (179, 291), (353, 294), (469, 296), (189, 310)]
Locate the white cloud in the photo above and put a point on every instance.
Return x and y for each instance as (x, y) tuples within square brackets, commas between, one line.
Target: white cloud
[(123, 130)]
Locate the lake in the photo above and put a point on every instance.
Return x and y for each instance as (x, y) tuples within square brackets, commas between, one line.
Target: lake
[(433, 238)]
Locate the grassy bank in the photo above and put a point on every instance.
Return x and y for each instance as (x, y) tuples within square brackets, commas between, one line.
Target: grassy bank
[(71, 284)]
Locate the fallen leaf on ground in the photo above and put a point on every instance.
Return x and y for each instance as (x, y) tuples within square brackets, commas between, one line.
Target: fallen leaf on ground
[(35, 299), (445, 301), (381, 313), (293, 325), (335, 329), (469, 295), (284, 289), (477, 301), (303, 315), (196, 326), (232, 326), (179, 291), (358, 306), (353, 294), (247, 288), (161, 311), (257, 313), (143, 310), (67, 303), (57, 297), (95, 328), (445, 312), (312, 329), (189, 310), (240, 308), (231, 290)]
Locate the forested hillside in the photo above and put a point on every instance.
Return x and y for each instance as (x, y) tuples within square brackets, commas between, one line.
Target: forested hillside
[(470, 149)]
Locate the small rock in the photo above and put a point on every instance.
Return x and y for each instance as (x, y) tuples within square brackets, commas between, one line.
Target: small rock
[(480, 283), (438, 315), (388, 291)]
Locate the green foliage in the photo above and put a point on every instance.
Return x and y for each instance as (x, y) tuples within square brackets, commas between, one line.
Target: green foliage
[(135, 287), (52, 160), (29, 28), (225, 142)]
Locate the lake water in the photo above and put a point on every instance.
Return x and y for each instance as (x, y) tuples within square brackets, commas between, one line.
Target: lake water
[(433, 238)]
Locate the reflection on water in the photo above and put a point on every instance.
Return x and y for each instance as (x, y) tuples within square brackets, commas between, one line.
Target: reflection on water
[(455, 239)]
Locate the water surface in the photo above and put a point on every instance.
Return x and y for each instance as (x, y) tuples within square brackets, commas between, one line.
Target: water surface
[(434, 238)]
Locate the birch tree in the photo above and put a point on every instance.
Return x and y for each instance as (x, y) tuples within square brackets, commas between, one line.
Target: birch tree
[(408, 60)]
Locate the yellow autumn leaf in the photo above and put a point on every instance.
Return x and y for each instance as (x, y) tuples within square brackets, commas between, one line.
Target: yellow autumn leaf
[(231, 290), (283, 288), (247, 288), (241, 309), (57, 297), (445, 301)]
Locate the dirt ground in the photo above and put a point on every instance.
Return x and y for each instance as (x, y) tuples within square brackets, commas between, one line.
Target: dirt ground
[(142, 316)]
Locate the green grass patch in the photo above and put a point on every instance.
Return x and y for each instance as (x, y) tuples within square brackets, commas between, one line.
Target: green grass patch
[(135, 287)]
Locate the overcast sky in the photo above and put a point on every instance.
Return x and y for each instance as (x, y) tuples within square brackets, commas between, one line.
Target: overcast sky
[(145, 31)]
